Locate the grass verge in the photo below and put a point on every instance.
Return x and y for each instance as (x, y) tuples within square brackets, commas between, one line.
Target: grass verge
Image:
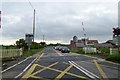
[(8, 59), (106, 56), (31, 52), (114, 58), (80, 51)]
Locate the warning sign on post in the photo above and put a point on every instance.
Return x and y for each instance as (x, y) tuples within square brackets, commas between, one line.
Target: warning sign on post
[(29, 38)]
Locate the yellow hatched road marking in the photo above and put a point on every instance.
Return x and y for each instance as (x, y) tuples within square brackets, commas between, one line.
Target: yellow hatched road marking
[(63, 73), (39, 77), (44, 68), (94, 64), (28, 73), (100, 70), (66, 63)]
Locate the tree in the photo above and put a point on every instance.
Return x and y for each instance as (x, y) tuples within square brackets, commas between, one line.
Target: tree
[(21, 43), (43, 44), (35, 45)]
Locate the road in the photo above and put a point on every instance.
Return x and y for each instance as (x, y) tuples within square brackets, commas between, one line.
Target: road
[(50, 64)]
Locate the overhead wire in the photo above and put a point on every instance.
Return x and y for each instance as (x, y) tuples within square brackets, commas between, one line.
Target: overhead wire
[(31, 4), (35, 12)]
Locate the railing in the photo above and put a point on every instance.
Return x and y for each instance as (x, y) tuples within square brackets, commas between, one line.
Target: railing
[(89, 50), (11, 52)]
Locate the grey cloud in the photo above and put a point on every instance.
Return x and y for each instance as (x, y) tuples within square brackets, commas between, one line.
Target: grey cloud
[(61, 21)]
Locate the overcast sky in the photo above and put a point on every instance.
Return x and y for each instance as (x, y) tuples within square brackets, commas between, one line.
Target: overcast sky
[(59, 20)]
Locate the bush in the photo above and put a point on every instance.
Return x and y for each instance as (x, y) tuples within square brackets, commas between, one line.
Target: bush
[(80, 51), (104, 50), (114, 58)]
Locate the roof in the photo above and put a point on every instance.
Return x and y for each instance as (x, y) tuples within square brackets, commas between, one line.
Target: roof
[(80, 41), (103, 45), (111, 42), (94, 41)]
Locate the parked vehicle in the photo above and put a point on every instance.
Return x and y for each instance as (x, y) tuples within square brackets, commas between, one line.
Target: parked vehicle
[(65, 50), (56, 47), (60, 48)]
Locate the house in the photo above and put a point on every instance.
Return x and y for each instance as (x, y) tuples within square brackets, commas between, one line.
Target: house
[(77, 44), (103, 45)]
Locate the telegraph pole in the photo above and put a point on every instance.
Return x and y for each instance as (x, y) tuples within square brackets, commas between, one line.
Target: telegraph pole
[(43, 38), (85, 45), (34, 26)]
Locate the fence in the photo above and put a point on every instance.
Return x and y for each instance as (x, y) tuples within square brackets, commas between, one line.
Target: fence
[(94, 50), (89, 49), (114, 51), (11, 52)]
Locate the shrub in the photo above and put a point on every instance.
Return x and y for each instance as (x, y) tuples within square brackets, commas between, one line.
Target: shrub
[(114, 58), (104, 50), (80, 51)]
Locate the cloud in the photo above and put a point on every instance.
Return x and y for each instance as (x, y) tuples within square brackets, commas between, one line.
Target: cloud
[(60, 21)]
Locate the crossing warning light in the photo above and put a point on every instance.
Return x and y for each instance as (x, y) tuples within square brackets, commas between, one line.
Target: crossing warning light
[(116, 31)]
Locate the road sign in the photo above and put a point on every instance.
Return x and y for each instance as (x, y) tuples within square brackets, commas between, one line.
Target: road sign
[(29, 38)]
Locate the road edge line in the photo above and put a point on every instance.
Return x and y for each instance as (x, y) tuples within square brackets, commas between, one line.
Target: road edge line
[(29, 65), (58, 53), (15, 64), (26, 68)]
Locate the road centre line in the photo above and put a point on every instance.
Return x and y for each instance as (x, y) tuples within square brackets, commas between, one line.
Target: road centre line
[(65, 72), (101, 71), (26, 68), (39, 57), (15, 65), (58, 53)]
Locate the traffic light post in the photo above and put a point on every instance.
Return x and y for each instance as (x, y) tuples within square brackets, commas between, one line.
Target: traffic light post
[(116, 37), (116, 31)]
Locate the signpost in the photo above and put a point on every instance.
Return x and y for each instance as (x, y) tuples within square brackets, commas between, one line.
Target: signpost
[(29, 38)]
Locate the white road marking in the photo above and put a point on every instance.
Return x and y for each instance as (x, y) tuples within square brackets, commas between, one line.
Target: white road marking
[(15, 64), (85, 71), (60, 54), (26, 68)]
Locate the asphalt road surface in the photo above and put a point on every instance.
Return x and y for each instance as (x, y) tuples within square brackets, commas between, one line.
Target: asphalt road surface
[(50, 64)]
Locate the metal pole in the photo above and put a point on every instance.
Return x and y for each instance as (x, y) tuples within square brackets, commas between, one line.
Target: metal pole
[(84, 37), (43, 41), (34, 25)]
